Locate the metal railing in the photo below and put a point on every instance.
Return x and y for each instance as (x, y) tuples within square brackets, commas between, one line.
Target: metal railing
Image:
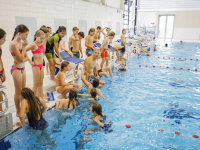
[(4, 101)]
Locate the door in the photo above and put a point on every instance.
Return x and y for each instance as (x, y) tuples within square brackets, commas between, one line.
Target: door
[(166, 26)]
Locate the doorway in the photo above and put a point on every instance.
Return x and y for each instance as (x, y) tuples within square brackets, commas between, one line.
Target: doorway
[(166, 26)]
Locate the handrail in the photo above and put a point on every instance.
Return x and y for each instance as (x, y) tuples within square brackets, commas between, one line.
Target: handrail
[(4, 101)]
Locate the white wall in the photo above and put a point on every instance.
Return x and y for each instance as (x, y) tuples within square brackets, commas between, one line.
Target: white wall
[(113, 3), (186, 25), (45, 11)]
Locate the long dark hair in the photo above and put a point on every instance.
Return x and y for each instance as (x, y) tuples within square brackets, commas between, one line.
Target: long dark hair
[(95, 83), (73, 95), (60, 29), (97, 108), (2, 33), (93, 93), (20, 28), (33, 102)]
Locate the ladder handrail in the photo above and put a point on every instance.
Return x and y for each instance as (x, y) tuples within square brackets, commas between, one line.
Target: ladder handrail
[(4, 101)]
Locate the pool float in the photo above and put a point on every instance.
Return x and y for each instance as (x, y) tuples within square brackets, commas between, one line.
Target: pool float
[(178, 133), (161, 130), (128, 126), (195, 136)]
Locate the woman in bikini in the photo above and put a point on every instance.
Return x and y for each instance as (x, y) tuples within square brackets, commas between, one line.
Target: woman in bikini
[(2, 73), (38, 52), (18, 51), (61, 86)]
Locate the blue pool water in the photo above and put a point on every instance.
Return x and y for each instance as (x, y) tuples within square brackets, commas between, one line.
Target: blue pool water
[(147, 98)]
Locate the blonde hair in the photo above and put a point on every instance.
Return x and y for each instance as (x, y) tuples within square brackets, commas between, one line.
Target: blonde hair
[(123, 30), (111, 34), (38, 33), (75, 28), (91, 30)]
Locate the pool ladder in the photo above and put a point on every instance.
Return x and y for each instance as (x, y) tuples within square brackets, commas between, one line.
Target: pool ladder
[(6, 121)]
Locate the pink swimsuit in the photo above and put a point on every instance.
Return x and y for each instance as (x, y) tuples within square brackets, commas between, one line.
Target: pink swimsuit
[(38, 51)]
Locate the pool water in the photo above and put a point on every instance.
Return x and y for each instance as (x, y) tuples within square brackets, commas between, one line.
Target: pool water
[(146, 98)]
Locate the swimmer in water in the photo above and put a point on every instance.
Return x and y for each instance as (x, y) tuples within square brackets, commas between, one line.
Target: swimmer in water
[(71, 102), (123, 66), (166, 45), (90, 86), (93, 96), (100, 119)]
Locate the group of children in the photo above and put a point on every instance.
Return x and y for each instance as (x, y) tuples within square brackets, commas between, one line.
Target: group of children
[(46, 48)]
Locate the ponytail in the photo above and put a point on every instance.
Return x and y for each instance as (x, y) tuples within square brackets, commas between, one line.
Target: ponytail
[(38, 33), (97, 108), (60, 29), (20, 28), (14, 34), (73, 95)]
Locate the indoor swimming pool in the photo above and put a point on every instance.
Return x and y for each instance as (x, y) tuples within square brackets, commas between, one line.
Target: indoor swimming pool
[(153, 97)]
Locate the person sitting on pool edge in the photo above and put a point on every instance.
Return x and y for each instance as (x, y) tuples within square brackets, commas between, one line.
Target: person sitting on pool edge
[(69, 103), (90, 86), (34, 107), (105, 71), (61, 86), (90, 68), (142, 48)]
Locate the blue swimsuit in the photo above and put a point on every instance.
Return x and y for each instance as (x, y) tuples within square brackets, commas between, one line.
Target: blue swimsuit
[(107, 124), (37, 124)]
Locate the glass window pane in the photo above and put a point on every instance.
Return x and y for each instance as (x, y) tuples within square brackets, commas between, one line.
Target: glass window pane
[(126, 7), (126, 26), (170, 26), (125, 21), (131, 8), (126, 17), (162, 22), (125, 12), (130, 16), (131, 23)]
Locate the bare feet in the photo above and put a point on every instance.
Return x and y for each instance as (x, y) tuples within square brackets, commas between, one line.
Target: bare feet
[(45, 96), (47, 73)]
